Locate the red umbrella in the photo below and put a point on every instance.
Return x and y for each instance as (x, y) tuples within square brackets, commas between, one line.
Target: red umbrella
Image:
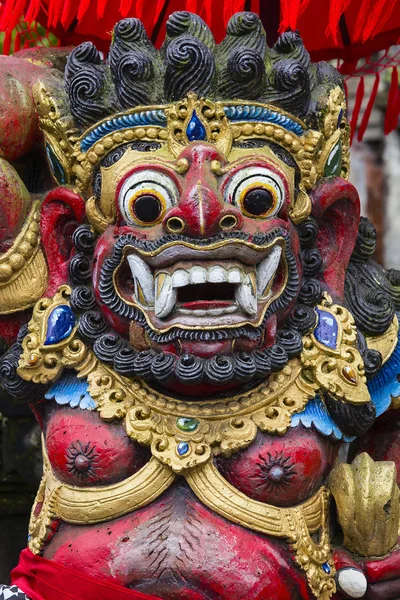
[(348, 30)]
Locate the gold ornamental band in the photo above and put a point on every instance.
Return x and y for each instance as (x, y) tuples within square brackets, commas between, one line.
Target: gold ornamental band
[(213, 490), (90, 505)]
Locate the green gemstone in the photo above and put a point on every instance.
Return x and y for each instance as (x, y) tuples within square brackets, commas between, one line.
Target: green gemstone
[(333, 165), (187, 424)]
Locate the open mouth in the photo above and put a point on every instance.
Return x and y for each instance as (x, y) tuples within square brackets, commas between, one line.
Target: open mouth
[(227, 284)]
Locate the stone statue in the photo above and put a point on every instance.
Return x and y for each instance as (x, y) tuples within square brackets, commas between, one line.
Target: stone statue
[(202, 330)]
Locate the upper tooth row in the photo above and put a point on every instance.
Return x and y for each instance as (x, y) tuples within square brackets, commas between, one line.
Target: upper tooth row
[(215, 274)]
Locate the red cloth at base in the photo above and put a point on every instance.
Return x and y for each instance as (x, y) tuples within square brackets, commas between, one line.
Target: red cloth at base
[(43, 579)]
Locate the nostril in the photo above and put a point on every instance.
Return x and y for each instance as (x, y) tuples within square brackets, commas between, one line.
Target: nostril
[(228, 222), (175, 225)]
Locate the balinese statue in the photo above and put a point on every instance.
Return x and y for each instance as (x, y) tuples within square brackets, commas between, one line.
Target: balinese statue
[(204, 338)]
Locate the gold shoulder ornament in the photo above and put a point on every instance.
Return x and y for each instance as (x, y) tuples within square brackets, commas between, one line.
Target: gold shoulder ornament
[(23, 269)]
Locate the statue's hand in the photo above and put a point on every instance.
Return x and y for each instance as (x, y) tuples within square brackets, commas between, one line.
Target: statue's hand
[(367, 501)]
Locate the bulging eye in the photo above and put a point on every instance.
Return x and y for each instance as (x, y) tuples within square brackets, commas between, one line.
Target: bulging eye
[(145, 197), (258, 192)]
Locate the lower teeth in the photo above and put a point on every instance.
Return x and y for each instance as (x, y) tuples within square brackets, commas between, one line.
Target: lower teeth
[(210, 312)]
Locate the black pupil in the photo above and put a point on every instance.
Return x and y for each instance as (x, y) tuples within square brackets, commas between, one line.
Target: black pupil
[(147, 208), (258, 201)]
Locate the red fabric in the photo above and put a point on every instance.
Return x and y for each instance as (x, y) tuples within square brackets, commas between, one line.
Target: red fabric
[(371, 25), (336, 9), (42, 579)]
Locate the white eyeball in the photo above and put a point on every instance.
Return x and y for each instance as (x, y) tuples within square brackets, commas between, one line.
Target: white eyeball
[(257, 191), (145, 196)]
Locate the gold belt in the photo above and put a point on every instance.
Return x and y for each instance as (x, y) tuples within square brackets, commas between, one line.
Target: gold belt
[(91, 505)]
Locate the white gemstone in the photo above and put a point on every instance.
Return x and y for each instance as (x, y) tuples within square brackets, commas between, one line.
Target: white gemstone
[(352, 582)]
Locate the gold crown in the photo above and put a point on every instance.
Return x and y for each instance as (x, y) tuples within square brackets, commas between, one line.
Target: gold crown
[(73, 157)]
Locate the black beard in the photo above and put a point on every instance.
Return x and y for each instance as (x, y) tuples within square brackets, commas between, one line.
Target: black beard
[(187, 369)]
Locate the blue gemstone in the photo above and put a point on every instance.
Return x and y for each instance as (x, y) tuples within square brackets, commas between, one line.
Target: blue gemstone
[(195, 129), (183, 448), (340, 117), (60, 324), (327, 329), (326, 568)]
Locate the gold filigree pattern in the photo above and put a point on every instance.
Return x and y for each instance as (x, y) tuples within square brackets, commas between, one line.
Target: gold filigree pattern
[(339, 370), (335, 130), (217, 427), (43, 511), (211, 116), (309, 149), (315, 558), (58, 128), (185, 434)]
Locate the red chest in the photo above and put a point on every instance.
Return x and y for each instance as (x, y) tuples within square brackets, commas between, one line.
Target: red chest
[(282, 471), (84, 450)]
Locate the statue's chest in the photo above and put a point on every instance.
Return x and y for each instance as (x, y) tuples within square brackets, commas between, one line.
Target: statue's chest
[(84, 450), (282, 471)]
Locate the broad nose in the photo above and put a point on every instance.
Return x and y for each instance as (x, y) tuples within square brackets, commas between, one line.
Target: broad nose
[(201, 210)]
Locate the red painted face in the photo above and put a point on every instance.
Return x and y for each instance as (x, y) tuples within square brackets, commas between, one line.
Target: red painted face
[(205, 246)]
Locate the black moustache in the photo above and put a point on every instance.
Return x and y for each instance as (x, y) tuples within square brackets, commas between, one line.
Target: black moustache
[(259, 239)]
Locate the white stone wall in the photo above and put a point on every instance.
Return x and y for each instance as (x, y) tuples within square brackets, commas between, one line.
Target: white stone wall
[(391, 238)]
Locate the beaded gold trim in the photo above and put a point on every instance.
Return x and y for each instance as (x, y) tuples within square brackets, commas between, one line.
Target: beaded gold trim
[(23, 268)]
